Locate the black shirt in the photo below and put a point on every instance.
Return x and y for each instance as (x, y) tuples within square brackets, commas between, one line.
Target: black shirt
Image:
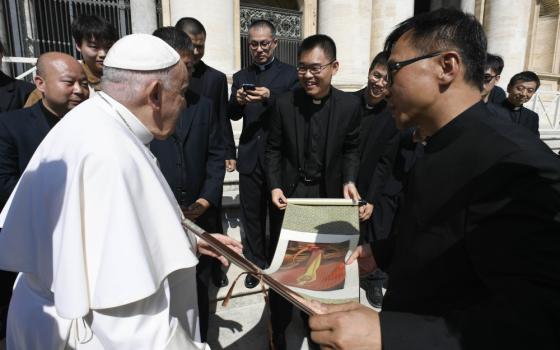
[(316, 115)]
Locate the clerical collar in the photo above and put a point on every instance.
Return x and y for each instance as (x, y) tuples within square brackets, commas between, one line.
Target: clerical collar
[(511, 105), (263, 67), (320, 101), (129, 119)]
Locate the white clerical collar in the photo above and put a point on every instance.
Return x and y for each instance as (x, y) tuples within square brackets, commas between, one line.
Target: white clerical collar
[(266, 65), (129, 119), (516, 108)]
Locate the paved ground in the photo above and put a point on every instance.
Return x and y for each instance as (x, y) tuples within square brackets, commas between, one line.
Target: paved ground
[(243, 323)]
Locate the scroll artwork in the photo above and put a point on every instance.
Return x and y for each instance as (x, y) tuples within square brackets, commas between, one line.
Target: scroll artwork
[(317, 237)]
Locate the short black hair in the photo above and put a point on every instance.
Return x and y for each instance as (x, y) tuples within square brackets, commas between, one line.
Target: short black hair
[(381, 58), (447, 29), (176, 38), (525, 76), (324, 42), (263, 23), (190, 26), (494, 62), (87, 27)]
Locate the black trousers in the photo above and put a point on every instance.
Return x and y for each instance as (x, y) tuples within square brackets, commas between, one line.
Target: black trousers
[(280, 308), (256, 206), (7, 280), (211, 222)]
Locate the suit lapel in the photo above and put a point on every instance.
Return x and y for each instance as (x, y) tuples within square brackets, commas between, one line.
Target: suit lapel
[(8, 95), (299, 125), (332, 126), (39, 119)]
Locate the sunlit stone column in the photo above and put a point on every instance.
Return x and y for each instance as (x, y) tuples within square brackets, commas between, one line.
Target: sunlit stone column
[(217, 16), (348, 23)]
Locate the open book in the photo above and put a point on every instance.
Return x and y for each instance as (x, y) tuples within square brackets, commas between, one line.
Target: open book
[(317, 237)]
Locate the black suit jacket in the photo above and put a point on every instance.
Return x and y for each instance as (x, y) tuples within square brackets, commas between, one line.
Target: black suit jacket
[(279, 78), (13, 93), (21, 132), (377, 128), (524, 116), (211, 83), (475, 263), (497, 95), (285, 143), (192, 158)]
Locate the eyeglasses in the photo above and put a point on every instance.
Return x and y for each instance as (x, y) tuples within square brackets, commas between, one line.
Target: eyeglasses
[(488, 78), (265, 44), (313, 68), (394, 67)]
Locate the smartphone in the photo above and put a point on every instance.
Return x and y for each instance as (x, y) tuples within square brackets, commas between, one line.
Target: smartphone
[(248, 86)]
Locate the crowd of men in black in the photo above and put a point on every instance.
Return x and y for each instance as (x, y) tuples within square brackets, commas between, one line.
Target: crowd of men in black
[(456, 212)]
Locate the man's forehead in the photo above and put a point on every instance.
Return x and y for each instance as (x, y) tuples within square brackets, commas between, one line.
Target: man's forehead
[(260, 32), (197, 39), (403, 47), (379, 68), (315, 55), (527, 84)]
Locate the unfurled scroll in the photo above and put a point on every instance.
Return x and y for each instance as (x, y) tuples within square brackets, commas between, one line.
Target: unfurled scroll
[(316, 239)]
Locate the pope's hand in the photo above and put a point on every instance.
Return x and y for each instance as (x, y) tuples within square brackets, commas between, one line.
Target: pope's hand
[(205, 249), (346, 326)]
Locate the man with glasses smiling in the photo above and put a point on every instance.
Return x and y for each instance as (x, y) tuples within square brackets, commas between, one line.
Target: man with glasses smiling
[(377, 129), (253, 92), (313, 145), (521, 88), (475, 263)]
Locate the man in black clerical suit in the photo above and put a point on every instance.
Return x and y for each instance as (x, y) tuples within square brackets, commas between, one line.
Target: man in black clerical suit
[(475, 263), (192, 162), (490, 91), (521, 88), (313, 144), (270, 77), (211, 83), (63, 84), (377, 128), (13, 92)]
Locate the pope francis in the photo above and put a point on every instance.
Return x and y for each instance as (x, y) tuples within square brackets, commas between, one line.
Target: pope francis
[(93, 227)]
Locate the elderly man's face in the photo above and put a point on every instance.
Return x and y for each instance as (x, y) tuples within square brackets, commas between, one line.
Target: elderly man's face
[(173, 101), (414, 87)]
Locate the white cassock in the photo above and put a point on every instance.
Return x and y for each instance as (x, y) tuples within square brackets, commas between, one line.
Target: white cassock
[(95, 231)]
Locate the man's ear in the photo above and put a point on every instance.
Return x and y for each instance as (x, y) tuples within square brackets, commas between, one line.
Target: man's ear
[(335, 66), (497, 78), (77, 45), (39, 83), (155, 94), (450, 63)]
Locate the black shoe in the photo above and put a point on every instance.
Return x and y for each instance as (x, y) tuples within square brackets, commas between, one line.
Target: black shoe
[(279, 340), (251, 281), (219, 278), (374, 291)]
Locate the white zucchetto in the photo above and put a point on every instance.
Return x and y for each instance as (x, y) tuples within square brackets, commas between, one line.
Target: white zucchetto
[(141, 52)]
